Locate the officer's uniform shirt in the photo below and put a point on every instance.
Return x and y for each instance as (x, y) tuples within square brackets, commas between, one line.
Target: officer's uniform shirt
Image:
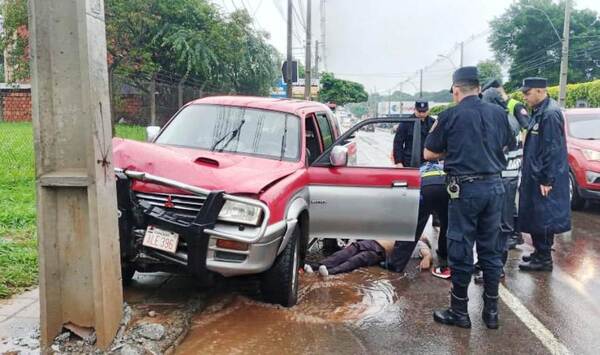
[(473, 135), (403, 140)]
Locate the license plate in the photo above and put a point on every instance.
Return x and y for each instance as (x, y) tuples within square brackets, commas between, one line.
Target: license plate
[(161, 239)]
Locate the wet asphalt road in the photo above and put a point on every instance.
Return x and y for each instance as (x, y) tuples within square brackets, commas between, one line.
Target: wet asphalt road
[(375, 311)]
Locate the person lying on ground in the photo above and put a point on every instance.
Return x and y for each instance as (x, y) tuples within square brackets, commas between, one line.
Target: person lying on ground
[(366, 253)]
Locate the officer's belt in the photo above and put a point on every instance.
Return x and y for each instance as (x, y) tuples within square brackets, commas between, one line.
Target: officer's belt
[(433, 173), (470, 178)]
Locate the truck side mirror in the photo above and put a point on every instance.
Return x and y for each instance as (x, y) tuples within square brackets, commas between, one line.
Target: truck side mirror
[(339, 156), (152, 133)]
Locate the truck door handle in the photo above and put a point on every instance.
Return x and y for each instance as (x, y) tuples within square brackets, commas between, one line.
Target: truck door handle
[(403, 184)]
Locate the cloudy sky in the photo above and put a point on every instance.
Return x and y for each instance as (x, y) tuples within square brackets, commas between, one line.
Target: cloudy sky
[(384, 43)]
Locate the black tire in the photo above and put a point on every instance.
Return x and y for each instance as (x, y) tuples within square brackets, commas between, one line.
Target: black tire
[(279, 284), (127, 272), (577, 202)]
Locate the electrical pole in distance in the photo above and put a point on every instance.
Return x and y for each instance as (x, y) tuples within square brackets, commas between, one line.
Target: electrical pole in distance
[(307, 70), (421, 83), (564, 62), (289, 50)]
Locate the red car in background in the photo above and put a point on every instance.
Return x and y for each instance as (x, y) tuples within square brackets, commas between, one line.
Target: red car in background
[(583, 143)]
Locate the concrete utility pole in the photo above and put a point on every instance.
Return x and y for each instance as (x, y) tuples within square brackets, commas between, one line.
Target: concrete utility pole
[(307, 70), (289, 50), (317, 59), (564, 61), (462, 53), (324, 32), (80, 269)]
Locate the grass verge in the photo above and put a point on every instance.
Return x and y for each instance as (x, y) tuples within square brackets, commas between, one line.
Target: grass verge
[(18, 242)]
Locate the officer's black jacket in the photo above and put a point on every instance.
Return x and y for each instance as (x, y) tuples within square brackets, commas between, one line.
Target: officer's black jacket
[(403, 140), (473, 134), (545, 163)]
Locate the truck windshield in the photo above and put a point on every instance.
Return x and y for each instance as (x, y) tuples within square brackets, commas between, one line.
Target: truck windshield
[(585, 127), (270, 134)]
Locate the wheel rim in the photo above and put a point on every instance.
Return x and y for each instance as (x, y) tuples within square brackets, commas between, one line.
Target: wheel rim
[(295, 269), (571, 188)]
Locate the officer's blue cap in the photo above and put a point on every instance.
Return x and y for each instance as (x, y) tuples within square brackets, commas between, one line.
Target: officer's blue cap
[(494, 83), (465, 75), (534, 83), (422, 105)]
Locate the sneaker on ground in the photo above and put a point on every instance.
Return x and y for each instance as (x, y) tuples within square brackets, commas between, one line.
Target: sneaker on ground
[(323, 270), (308, 269), (443, 272)]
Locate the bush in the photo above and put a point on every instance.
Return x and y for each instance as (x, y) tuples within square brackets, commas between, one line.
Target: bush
[(589, 92)]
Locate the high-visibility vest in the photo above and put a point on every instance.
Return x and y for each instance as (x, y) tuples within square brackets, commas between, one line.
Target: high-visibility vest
[(510, 106)]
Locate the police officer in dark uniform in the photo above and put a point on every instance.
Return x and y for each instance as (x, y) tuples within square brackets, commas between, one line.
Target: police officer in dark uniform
[(403, 140), (544, 208), (471, 138)]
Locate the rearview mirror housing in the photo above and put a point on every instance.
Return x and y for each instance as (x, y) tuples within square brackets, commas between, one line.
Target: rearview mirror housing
[(339, 156)]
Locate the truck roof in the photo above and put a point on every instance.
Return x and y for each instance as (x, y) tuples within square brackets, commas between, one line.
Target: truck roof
[(296, 107)]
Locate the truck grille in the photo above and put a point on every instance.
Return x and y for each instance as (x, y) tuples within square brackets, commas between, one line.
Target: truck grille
[(184, 204)]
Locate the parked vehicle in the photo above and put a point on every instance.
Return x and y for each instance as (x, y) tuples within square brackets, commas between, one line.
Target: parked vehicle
[(236, 186), (583, 143)]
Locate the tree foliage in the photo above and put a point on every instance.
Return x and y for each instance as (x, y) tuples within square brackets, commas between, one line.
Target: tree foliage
[(187, 40), (341, 91), (14, 39), (489, 70), (176, 40), (524, 38)]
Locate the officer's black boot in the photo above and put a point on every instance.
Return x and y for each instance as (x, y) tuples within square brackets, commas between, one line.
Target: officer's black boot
[(537, 263), (528, 258), (457, 314), (490, 311)]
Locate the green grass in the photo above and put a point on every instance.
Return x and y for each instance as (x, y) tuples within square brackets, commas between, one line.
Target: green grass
[(18, 243)]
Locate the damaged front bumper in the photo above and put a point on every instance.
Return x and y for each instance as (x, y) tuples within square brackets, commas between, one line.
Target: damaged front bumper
[(198, 249)]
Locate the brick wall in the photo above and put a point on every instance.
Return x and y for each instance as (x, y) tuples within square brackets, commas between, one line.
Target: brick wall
[(16, 105)]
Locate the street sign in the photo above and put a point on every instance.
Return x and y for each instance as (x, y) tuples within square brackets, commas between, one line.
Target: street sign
[(294, 71)]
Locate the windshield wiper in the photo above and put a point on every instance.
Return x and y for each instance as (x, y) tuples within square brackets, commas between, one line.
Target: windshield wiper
[(283, 139), (233, 133)]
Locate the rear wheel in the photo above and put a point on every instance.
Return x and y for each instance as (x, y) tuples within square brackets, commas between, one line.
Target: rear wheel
[(577, 202), (279, 284)]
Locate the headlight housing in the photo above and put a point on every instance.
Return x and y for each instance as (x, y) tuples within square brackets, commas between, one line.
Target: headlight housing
[(592, 177), (590, 154), (238, 212)]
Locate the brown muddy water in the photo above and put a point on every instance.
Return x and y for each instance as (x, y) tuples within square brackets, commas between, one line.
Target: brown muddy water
[(320, 323)]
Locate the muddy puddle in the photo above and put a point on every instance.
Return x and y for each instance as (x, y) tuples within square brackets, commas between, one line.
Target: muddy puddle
[(321, 322)]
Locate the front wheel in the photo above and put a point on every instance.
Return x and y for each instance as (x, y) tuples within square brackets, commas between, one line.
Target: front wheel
[(127, 272), (577, 202), (279, 284)]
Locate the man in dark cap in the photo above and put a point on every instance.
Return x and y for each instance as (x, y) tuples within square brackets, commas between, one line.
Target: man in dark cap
[(544, 208), (471, 138), (403, 140)]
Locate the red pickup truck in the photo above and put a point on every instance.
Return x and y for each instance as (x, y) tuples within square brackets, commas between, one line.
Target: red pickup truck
[(239, 185)]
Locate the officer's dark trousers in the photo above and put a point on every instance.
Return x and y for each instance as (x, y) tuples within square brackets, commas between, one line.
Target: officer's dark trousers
[(358, 254), (434, 198), (507, 225), (543, 245), (475, 218)]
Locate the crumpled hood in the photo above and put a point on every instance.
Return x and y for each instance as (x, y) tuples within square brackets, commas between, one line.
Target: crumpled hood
[(232, 173)]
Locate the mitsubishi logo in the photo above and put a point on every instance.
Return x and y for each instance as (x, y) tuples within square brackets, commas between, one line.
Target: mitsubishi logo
[(169, 203)]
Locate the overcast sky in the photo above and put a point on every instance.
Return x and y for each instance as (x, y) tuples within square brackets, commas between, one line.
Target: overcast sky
[(384, 43)]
